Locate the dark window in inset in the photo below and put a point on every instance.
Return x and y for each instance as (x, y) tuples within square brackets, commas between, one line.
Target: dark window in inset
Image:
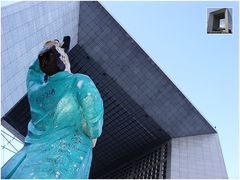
[(219, 21)]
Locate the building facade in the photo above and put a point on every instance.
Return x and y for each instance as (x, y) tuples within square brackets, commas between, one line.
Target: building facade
[(151, 130)]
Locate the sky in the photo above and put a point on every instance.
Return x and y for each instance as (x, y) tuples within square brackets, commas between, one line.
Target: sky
[(204, 67), (6, 3)]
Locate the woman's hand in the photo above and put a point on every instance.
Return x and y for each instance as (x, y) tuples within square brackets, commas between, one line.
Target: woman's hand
[(86, 131), (94, 141)]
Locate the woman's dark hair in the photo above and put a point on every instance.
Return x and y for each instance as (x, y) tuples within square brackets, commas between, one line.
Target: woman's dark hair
[(49, 60)]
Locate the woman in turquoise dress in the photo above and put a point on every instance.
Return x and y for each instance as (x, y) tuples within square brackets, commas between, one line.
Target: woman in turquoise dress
[(66, 118)]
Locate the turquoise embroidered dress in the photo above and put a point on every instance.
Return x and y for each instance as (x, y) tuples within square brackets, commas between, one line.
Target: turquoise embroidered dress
[(67, 113)]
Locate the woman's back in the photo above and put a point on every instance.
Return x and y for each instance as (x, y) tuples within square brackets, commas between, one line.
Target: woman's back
[(55, 105), (67, 113)]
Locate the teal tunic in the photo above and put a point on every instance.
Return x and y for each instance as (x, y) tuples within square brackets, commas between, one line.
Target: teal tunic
[(67, 112)]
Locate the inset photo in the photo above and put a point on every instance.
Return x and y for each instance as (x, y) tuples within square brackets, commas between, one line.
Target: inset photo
[(219, 20)]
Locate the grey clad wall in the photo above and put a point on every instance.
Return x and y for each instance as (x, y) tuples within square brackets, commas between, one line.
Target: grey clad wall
[(25, 27), (124, 60), (196, 157)]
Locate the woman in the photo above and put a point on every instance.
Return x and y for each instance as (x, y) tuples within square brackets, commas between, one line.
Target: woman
[(67, 117)]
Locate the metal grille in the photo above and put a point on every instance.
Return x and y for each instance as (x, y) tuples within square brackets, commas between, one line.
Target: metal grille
[(151, 165), (10, 145)]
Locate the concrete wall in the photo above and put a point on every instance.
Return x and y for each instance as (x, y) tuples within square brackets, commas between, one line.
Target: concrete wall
[(25, 27), (197, 157)]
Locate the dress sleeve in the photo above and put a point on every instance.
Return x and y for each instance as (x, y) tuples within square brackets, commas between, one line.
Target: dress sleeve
[(92, 107), (34, 76)]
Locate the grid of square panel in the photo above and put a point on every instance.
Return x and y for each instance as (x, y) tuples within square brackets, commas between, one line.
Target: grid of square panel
[(197, 157), (124, 60), (127, 132), (127, 128), (25, 26)]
